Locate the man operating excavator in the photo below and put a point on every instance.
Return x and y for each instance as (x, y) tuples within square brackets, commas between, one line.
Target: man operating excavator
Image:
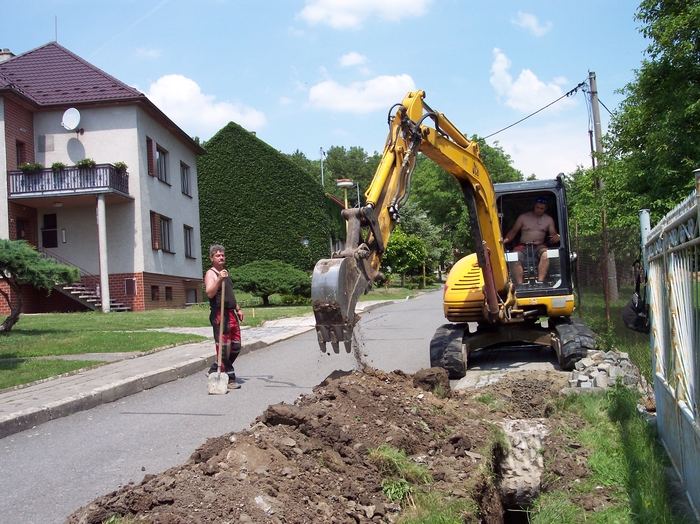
[(533, 227)]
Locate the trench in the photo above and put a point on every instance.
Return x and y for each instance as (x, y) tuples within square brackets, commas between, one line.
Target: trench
[(518, 472)]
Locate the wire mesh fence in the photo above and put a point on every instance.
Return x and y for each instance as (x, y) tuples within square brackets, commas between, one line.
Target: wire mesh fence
[(606, 270)]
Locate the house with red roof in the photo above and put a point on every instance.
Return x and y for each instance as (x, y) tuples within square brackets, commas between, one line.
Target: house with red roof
[(93, 174)]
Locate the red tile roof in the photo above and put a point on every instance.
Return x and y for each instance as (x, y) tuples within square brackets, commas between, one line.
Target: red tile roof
[(52, 75)]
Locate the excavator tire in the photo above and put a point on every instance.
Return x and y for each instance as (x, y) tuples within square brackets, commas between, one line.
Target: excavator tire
[(575, 339), (448, 351)]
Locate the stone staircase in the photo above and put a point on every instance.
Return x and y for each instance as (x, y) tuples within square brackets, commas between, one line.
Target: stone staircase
[(82, 292), (88, 297)]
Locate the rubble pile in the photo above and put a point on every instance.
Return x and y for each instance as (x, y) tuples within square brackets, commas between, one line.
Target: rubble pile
[(600, 369)]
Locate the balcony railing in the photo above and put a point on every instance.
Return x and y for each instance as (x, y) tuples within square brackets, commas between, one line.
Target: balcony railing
[(69, 180)]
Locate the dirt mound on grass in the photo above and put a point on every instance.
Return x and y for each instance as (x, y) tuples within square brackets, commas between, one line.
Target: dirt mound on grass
[(310, 461)]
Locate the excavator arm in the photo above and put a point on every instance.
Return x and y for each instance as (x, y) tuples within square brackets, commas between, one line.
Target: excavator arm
[(338, 282)]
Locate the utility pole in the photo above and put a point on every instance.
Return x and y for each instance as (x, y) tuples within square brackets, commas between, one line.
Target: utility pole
[(596, 112)]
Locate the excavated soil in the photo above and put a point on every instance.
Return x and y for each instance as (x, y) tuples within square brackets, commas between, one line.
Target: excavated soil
[(309, 462)]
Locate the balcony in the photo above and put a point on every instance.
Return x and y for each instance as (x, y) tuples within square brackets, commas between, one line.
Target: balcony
[(103, 178)]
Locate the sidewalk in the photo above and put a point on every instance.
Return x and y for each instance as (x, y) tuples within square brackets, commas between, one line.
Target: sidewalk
[(58, 397)]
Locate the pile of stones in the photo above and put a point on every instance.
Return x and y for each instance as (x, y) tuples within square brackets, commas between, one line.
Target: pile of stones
[(600, 369)]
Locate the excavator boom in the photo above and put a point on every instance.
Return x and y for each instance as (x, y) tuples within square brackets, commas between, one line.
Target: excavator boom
[(338, 282)]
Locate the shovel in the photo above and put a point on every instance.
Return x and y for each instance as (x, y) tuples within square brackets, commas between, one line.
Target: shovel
[(218, 382)]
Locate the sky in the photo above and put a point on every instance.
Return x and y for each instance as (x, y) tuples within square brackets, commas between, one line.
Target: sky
[(307, 75)]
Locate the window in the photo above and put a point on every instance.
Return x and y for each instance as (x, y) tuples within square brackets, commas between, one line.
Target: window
[(189, 232), (19, 152), (165, 229), (150, 156), (130, 287), (185, 178), (155, 293), (155, 231), (49, 233), (161, 232), (162, 164), (168, 293)]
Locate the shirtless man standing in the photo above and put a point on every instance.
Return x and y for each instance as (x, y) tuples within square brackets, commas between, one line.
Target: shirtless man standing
[(533, 226)]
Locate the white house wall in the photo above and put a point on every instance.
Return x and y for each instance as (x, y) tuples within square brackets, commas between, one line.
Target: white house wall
[(169, 201), (118, 134)]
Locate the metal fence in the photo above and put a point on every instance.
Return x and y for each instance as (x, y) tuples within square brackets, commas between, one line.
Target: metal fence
[(669, 356)]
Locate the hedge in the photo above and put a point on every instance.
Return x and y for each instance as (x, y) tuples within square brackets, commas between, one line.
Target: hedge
[(259, 204)]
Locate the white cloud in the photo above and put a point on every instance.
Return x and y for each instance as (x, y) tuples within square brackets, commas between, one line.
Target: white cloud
[(361, 97), (530, 22), (350, 14), (352, 59), (549, 149), (148, 53), (285, 101), (527, 93), (196, 113)]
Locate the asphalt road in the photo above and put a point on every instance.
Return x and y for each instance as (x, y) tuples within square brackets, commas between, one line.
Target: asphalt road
[(48, 472)]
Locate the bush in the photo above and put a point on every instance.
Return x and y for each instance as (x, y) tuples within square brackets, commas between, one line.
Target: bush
[(268, 277), (295, 300)]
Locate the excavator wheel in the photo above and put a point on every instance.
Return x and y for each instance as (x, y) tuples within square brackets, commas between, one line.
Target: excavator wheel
[(448, 351), (574, 341)]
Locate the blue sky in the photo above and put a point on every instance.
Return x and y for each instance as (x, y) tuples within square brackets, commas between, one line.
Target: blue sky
[(311, 74)]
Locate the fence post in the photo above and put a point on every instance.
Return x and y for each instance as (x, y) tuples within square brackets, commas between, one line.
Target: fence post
[(606, 291), (578, 272)]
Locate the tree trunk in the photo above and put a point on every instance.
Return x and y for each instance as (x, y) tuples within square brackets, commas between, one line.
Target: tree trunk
[(266, 300), (14, 312)]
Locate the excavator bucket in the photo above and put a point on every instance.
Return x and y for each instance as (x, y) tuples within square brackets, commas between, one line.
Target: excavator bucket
[(336, 285)]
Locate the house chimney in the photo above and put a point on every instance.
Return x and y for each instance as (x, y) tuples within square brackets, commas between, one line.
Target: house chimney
[(5, 55)]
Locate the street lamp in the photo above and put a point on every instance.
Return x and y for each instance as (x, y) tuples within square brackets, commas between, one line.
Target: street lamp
[(345, 183)]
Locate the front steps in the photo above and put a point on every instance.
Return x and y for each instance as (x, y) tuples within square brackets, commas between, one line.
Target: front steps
[(89, 297)]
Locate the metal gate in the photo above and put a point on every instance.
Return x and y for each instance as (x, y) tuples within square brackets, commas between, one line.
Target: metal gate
[(672, 252)]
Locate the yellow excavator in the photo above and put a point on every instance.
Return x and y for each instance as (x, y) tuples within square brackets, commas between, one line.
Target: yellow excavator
[(484, 306)]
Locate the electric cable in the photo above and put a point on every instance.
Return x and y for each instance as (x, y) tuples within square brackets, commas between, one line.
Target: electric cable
[(573, 91)]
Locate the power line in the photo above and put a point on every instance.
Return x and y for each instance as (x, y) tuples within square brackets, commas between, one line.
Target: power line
[(574, 90)]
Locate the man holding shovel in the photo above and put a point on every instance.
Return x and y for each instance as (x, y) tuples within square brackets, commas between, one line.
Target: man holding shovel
[(215, 280)]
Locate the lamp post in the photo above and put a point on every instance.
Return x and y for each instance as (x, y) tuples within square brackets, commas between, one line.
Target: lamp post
[(345, 183), (322, 153)]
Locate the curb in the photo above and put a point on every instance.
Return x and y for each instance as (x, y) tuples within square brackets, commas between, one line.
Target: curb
[(27, 419)]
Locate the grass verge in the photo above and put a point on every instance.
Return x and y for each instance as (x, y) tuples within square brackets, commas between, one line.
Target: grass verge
[(15, 372), (626, 461)]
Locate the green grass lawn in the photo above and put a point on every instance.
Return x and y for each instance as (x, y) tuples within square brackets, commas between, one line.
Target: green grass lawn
[(54, 334)]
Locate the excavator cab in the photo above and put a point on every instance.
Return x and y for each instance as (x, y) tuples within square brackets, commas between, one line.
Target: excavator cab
[(526, 259)]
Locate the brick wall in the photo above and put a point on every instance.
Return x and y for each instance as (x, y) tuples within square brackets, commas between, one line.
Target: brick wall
[(179, 290), (37, 301), (19, 127), (40, 301)]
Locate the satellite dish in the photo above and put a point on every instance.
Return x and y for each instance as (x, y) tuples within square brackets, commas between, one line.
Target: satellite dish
[(71, 119)]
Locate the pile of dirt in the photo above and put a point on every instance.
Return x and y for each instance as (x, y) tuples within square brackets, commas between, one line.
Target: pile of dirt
[(309, 462)]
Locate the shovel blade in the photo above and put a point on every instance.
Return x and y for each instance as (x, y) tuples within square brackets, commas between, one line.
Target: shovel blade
[(217, 383), (336, 285)]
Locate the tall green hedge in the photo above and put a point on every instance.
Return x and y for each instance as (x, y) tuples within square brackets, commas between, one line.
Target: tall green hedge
[(259, 204)]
